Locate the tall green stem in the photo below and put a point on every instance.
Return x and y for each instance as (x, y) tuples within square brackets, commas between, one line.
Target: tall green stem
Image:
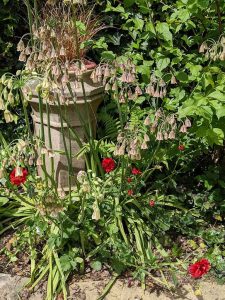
[(30, 17), (68, 155)]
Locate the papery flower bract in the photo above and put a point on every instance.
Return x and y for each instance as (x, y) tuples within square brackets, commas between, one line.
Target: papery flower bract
[(199, 268), (108, 165), (136, 171), (18, 180)]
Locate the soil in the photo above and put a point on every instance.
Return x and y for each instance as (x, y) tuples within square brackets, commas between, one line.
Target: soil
[(91, 285)]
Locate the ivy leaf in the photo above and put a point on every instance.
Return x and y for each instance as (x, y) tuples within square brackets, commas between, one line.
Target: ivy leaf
[(162, 63)]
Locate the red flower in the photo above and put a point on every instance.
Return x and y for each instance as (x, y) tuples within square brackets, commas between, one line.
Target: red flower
[(17, 180), (130, 192), (152, 203), (108, 164), (135, 171), (199, 268), (129, 179), (181, 147)]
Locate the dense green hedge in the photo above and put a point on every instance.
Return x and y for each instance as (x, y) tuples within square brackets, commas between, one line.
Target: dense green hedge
[(13, 24)]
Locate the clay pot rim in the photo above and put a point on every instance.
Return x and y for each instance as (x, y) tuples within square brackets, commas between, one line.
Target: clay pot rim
[(89, 64)]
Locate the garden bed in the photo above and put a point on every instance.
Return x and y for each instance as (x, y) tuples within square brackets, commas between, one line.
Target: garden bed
[(15, 271), (112, 148), (11, 287)]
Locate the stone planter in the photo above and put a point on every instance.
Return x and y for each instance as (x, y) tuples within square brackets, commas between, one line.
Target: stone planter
[(94, 95)]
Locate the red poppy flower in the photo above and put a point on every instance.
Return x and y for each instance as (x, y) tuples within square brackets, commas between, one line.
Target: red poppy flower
[(130, 192), (135, 171), (199, 268), (129, 179), (18, 180), (181, 147), (152, 203)]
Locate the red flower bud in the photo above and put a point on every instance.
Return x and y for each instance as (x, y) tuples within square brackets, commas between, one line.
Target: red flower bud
[(152, 203), (130, 192), (135, 171), (129, 179), (181, 147)]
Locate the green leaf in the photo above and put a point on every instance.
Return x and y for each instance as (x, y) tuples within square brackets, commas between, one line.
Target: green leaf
[(186, 111), (128, 3), (108, 55), (81, 27), (79, 260), (96, 265), (3, 201), (164, 31), (139, 23), (204, 111), (182, 76), (162, 63), (219, 108), (215, 136), (203, 3), (119, 8), (217, 95)]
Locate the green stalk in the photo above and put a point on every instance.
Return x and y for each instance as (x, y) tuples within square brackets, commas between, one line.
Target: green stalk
[(36, 13), (30, 17), (42, 136), (65, 146), (50, 138), (26, 118), (95, 157), (120, 224)]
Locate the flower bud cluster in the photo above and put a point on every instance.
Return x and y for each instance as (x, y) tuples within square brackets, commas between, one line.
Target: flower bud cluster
[(17, 154), (57, 42), (214, 51), (165, 126)]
